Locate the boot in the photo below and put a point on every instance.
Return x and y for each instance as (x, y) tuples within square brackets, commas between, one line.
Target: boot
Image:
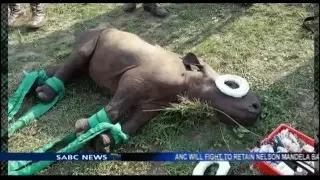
[(15, 13), (155, 9), (38, 15), (129, 7)]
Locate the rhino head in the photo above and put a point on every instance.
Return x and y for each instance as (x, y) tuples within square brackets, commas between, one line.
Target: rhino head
[(245, 110)]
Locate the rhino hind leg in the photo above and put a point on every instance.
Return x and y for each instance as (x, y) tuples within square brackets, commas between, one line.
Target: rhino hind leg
[(51, 70), (75, 65)]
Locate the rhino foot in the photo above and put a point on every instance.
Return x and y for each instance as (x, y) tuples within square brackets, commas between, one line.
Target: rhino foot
[(102, 143), (45, 93), (81, 126)]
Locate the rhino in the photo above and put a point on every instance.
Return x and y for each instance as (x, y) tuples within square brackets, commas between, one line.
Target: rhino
[(142, 77)]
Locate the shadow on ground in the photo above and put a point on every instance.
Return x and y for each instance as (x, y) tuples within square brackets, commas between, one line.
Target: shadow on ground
[(206, 19)]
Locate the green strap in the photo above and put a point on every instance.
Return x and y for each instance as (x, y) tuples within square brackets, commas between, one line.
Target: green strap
[(115, 129), (75, 145), (15, 165), (100, 116), (99, 123), (16, 101), (118, 135), (33, 113), (42, 77)]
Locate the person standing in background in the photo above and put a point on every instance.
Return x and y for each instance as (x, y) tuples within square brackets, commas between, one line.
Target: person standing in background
[(153, 8), (38, 14)]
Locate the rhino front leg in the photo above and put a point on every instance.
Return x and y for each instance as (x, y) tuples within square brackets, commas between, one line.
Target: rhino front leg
[(130, 91), (141, 117)]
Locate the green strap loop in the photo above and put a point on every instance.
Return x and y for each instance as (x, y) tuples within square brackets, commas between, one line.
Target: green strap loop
[(57, 85), (42, 77), (100, 116), (114, 130), (118, 135)]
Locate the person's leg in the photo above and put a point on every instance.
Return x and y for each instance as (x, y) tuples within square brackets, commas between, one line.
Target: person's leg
[(129, 7), (15, 13), (155, 9), (38, 15)]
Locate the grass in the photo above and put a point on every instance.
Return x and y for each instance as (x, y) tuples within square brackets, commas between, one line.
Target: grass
[(264, 43)]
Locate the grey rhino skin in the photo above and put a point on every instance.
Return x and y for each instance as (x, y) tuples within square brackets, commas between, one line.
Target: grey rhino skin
[(143, 78)]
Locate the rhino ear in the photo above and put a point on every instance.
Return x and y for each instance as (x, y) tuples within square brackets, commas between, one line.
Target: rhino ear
[(191, 59)]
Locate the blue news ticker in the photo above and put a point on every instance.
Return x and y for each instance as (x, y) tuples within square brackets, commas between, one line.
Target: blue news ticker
[(171, 156)]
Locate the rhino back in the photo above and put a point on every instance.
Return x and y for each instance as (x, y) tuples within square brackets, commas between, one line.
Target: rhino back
[(118, 52)]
